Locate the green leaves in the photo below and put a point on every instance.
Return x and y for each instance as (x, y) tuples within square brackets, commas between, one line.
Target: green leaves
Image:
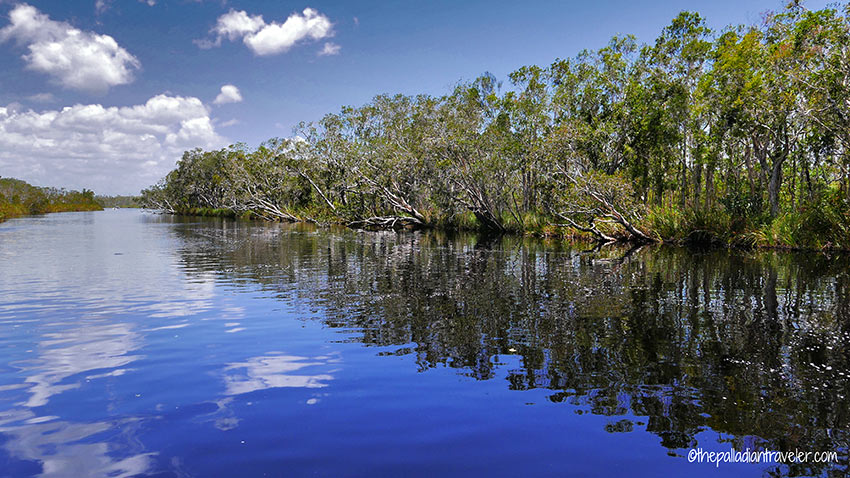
[(746, 122)]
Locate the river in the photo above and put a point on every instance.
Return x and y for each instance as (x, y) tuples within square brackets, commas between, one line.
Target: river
[(136, 344)]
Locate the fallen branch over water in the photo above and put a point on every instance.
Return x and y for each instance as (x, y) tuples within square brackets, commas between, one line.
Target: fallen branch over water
[(391, 222)]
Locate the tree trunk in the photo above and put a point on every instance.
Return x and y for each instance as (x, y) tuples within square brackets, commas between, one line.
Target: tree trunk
[(775, 184), (809, 190), (683, 177), (793, 185), (697, 183), (751, 174)]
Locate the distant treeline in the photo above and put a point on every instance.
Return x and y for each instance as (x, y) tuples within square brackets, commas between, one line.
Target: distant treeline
[(18, 198), (739, 136), (118, 201)]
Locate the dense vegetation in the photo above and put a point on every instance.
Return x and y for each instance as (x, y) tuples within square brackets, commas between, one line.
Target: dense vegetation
[(736, 136), (118, 201), (18, 198)]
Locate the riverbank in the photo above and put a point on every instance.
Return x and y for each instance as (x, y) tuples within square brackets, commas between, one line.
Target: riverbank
[(810, 229), (10, 211), (19, 198), (610, 146)]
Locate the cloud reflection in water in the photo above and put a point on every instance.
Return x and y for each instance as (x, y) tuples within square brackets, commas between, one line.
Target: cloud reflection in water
[(273, 371)]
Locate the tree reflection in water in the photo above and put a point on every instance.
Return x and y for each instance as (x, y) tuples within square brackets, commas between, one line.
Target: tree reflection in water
[(754, 345)]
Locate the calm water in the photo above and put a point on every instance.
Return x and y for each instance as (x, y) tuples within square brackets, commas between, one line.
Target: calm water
[(136, 344)]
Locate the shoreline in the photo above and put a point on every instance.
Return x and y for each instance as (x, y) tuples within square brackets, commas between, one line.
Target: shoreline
[(86, 208), (738, 242)]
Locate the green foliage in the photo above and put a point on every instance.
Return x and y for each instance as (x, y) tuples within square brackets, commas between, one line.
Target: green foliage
[(707, 225), (780, 232), (826, 223), (666, 222), (822, 223), (744, 208), (18, 198), (118, 201), (671, 223), (733, 136)]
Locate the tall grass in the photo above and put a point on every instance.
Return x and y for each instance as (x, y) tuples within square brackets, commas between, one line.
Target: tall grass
[(823, 223), (669, 223)]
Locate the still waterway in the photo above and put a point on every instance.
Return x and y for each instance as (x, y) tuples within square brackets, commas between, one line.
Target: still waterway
[(135, 344)]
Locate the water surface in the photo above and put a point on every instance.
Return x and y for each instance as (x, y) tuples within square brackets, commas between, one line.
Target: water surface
[(133, 344)]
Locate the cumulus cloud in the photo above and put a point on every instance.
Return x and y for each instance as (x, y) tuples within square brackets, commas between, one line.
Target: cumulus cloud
[(330, 49), (234, 25), (74, 59), (269, 38), (229, 94), (109, 149)]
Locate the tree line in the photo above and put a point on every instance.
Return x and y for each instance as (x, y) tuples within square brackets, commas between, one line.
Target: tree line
[(117, 201), (19, 198), (737, 136)]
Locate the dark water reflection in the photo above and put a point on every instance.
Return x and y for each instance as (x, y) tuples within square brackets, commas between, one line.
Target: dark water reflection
[(670, 349)]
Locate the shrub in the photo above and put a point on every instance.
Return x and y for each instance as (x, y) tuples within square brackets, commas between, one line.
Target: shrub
[(665, 222)]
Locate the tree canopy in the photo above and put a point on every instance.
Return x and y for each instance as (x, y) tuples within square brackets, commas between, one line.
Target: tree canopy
[(735, 135), (18, 198)]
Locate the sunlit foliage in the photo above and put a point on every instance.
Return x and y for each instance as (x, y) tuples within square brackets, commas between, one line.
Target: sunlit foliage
[(740, 135), (18, 198)]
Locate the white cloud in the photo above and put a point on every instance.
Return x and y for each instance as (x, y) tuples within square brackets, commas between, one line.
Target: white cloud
[(234, 25), (269, 38), (228, 123), (108, 149), (229, 94), (74, 59), (42, 98), (330, 49), (101, 6)]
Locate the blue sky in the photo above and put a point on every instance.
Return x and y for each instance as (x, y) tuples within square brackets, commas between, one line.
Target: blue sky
[(105, 94)]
